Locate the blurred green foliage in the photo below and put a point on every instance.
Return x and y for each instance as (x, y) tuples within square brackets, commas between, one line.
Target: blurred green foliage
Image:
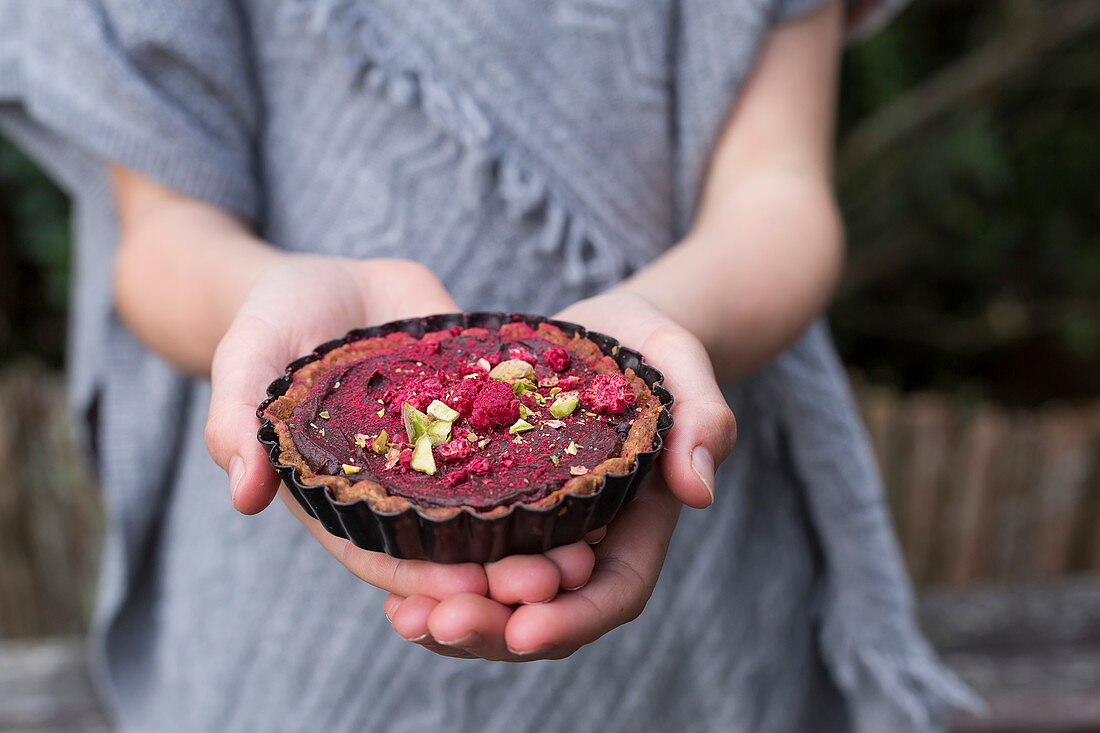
[(34, 260), (974, 236), (974, 233)]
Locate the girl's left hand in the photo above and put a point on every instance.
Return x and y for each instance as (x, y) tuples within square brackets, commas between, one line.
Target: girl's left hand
[(630, 556)]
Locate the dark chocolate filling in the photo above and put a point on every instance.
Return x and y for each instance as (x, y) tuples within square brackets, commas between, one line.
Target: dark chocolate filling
[(346, 402)]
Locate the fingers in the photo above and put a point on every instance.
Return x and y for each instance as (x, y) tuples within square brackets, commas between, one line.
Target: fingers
[(403, 577), (523, 579), (537, 578), (575, 563), (628, 563), (705, 430), (243, 366), (472, 623)]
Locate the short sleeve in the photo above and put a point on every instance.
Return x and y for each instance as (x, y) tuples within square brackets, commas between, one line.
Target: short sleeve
[(864, 16), (161, 86)]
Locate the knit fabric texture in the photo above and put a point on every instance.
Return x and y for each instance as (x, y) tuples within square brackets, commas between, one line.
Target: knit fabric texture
[(531, 153)]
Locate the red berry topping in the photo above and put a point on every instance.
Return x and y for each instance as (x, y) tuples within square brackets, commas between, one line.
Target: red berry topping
[(496, 406), (522, 354), (568, 383), (455, 450), (417, 392), (557, 358), (462, 394), (608, 393), (479, 465)]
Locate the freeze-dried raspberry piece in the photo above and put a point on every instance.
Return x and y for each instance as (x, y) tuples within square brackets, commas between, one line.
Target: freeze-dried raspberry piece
[(479, 465), (608, 393), (457, 478), (417, 392), (455, 450), (568, 383), (462, 394), (496, 406), (405, 458), (523, 354), (557, 358)]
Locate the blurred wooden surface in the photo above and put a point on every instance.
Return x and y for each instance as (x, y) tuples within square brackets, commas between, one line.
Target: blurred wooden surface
[(982, 494), (45, 686), (50, 513), (1032, 653)]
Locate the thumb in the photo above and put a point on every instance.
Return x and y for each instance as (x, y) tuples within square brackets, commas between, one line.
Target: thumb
[(241, 370), (704, 429)]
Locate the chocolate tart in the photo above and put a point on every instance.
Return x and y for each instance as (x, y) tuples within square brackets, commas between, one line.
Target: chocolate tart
[(465, 437)]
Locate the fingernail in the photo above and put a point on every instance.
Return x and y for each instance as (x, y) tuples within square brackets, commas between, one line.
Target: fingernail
[(578, 587), (420, 639), (236, 475), (539, 603), (389, 613), (529, 652), (703, 465), (470, 641)]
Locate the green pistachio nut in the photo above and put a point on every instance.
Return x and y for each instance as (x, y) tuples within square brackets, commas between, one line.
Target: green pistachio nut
[(440, 411), (422, 458), (416, 422)]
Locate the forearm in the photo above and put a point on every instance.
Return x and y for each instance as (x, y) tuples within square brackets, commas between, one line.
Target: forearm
[(748, 282), (182, 269)]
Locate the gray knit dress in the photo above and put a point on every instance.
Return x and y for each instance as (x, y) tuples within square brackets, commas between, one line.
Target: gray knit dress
[(531, 152)]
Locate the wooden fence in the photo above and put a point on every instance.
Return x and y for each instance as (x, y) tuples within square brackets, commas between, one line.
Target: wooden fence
[(50, 513), (979, 494)]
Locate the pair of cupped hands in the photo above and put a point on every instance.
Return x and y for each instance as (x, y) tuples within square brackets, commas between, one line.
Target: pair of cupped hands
[(523, 607)]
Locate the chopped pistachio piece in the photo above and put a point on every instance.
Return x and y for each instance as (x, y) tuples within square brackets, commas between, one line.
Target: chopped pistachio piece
[(381, 413), (511, 370), (322, 432), (440, 411), (350, 469), (324, 414), (554, 460), (416, 422), (381, 443), (564, 405), (554, 391), (336, 386), (439, 432), (517, 439), (422, 458), (591, 414), (578, 470), (361, 440), (472, 437), (484, 442), (571, 449), (484, 364), (553, 424), (521, 425), (393, 455), (524, 412)]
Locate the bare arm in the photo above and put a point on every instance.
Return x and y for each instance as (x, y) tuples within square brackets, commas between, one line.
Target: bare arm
[(766, 247), (182, 269)]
